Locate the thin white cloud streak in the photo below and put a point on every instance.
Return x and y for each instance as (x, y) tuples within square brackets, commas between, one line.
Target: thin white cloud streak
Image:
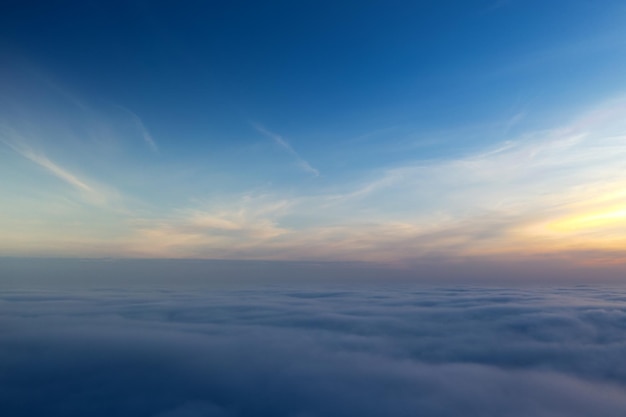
[(513, 121), (141, 127), (11, 140), (56, 170), (280, 141), (92, 193)]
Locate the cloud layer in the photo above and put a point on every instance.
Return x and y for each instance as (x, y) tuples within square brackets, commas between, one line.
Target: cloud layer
[(397, 351)]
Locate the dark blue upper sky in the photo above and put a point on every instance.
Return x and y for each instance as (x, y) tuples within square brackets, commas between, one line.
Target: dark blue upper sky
[(322, 69)]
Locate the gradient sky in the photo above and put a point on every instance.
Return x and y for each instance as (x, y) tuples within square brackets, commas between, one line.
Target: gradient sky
[(387, 131)]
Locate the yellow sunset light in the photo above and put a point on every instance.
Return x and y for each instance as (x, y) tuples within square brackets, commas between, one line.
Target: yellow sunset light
[(596, 220)]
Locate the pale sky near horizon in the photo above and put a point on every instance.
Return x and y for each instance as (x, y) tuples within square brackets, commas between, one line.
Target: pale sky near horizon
[(388, 132)]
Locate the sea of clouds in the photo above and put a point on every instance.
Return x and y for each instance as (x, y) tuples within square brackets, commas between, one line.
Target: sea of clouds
[(273, 351)]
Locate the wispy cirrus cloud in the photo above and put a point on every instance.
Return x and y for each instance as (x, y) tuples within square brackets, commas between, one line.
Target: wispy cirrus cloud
[(280, 141), (237, 228), (53, 168), (143, 130), (91, 191)]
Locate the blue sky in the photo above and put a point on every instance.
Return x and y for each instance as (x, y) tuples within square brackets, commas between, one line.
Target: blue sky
[(331, 131)]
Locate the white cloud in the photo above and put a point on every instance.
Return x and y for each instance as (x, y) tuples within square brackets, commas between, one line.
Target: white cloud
[(145, 134), (280, 141), (91, 191)]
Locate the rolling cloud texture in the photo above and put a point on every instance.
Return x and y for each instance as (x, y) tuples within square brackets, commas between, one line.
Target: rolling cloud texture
[(399, 351)]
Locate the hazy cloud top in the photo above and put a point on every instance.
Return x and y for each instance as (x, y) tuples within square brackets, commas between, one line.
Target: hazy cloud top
[(341, 352)]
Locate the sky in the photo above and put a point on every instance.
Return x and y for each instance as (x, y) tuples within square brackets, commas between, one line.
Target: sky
[(390, 132)]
